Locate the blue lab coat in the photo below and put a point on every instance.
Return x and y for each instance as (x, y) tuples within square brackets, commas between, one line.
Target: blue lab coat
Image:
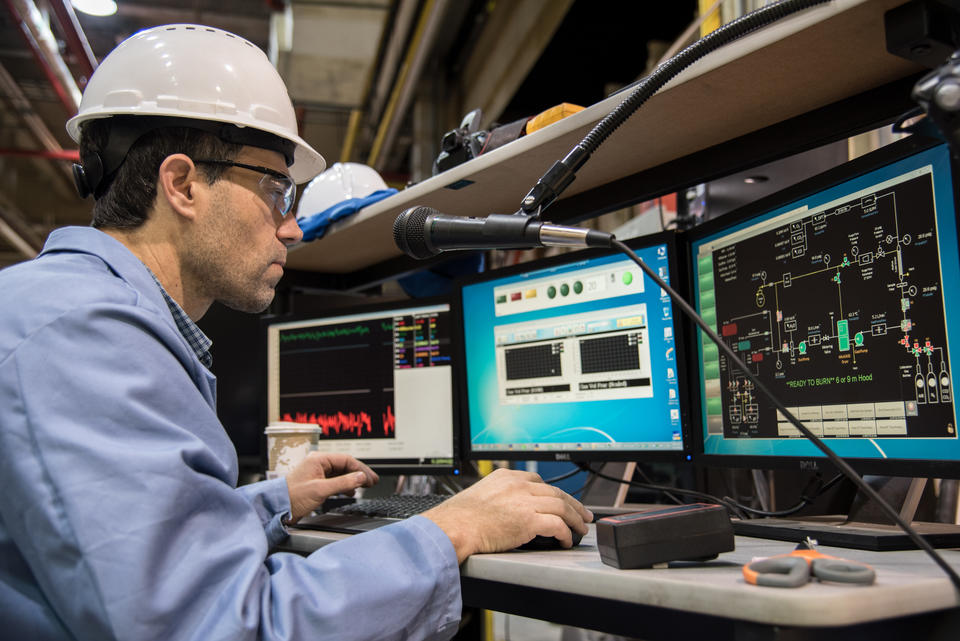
[(119, 512)]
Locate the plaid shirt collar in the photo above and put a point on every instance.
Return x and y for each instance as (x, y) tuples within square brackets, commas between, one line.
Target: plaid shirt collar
[(198, 341)]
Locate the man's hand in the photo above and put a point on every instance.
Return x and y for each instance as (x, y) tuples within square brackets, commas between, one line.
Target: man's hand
[(321, 475), (505, 509)]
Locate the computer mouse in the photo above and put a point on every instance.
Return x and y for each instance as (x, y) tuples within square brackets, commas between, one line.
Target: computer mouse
[(549, 543)]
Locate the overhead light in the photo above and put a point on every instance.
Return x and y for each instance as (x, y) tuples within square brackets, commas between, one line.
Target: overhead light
[(95, 7)]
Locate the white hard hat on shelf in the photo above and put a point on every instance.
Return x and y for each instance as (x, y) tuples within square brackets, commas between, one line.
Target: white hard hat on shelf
[(343, 181), (206, 75)]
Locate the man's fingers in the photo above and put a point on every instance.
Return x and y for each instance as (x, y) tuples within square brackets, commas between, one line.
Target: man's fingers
[(335, 464), (544, 490), (345, 483), (371, 476), (557, 507), (549, 525)]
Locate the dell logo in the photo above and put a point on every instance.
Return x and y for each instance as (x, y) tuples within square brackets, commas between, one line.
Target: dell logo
[(810, 466), (562, 456)]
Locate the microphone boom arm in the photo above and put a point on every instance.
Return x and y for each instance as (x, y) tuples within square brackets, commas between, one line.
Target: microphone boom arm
[(563, 172)]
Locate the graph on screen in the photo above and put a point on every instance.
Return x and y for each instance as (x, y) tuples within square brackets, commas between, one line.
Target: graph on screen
[(377, 383)]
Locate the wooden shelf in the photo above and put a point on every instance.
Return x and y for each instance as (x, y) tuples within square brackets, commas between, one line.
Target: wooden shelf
[(801, 64)]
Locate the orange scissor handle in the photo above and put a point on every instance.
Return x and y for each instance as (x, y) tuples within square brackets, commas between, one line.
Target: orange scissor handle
[(796, 568)]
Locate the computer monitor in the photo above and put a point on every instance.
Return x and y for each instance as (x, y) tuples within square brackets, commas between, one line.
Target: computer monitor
[(574, 357), (377, 380), (841, 296)]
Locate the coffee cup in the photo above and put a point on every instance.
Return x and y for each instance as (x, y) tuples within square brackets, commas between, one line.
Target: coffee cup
[(288, 443)]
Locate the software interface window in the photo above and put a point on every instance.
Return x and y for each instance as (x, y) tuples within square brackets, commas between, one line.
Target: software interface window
[(572, 356), (840, 303), (378, 383)]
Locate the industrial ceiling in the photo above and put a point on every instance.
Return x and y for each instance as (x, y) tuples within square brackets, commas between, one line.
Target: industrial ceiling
[(373, 81)]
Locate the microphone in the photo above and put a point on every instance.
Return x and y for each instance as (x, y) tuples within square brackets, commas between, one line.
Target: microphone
[(422, 232)]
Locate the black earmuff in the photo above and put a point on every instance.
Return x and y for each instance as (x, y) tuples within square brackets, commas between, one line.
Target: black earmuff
[(88, 174)]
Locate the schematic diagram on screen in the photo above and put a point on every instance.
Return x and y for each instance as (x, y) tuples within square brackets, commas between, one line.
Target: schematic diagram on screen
[(839, 309)]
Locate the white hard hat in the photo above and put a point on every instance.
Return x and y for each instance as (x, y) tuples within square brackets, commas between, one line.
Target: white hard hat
[(344, 180), (199, 73)]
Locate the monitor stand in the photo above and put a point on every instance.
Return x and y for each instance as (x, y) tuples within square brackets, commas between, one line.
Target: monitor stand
[(866, 527)]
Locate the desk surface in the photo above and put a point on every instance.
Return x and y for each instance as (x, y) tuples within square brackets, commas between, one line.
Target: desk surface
[(908, 582)]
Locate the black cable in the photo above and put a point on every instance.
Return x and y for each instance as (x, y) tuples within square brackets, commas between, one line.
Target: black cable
[(802, 503), (577, 491), (787, 512), (668, 70), (731, 507), (558, 177), (566, 475), (649, 480), (842, 465)]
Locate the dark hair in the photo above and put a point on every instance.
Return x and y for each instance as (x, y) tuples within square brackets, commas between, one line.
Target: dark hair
[(124, 199)]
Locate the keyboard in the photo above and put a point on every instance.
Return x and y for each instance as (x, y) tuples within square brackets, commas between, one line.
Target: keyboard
[(363, 515)]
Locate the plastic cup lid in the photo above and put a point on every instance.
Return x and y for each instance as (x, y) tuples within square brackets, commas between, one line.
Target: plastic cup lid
[(290, 426)]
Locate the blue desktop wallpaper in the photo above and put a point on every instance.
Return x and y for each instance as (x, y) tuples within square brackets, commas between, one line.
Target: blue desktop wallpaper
[(915, 446), (642, 422)]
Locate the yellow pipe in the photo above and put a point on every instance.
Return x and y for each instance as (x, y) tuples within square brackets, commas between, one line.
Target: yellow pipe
[(398, 85), (710, 12), (352, 127)]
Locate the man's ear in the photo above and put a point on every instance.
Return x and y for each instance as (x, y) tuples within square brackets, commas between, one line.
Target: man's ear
[(177, 183)]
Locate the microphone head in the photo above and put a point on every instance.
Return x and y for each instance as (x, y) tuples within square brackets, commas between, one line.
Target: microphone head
[(408, 232)]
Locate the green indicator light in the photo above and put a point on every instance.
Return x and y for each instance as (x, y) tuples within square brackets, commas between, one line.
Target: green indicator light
[(802, 347), (551, 292), (577, 287), (627, 278), (843, 335), (564, 289), (501, 299)]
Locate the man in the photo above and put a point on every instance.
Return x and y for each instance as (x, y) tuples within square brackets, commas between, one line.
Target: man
[(119, 516)]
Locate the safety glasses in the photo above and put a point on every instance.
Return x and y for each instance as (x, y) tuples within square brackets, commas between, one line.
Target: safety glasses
[(278, 189)]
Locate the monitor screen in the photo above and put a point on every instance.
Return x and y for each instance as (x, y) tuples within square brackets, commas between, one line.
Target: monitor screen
[(574, 358), (377, 380), (840, 294)]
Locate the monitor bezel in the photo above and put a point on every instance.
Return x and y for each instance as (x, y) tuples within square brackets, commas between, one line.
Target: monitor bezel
[(667, 238), (850, 170), (388, 466)]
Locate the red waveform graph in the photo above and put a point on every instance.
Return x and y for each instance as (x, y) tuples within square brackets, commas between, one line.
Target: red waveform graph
[(346, 424), (389, 422)]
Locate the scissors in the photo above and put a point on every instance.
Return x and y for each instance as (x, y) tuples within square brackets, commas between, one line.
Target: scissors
[(803, 564)]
